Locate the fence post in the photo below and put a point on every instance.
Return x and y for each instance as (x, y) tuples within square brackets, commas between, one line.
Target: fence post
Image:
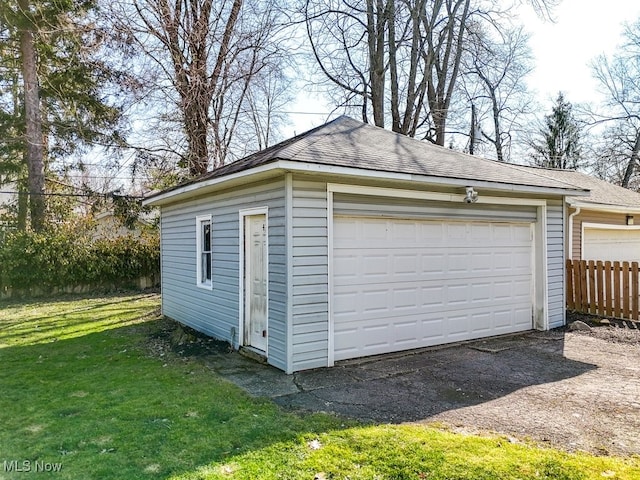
[(600, 282), (571, 303), (584, 304)]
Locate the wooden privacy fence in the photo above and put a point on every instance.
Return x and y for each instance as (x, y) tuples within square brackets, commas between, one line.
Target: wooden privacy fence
[(603, 288)]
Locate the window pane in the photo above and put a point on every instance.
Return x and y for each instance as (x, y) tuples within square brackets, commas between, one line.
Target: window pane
[(208, 266), (206, 236), (205, 267)]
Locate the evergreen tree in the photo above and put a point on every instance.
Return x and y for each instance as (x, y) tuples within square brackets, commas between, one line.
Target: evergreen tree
[(558, 145), (53, 97)]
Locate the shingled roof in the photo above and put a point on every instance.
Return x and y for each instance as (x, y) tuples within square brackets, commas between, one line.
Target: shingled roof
[(601, 192), (345, 142)]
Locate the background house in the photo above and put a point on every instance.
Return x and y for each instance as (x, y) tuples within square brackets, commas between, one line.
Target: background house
[(108, 225), (602, 225), (350, 240)]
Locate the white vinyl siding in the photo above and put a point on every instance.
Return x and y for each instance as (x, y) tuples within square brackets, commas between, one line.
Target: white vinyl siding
[(310, 281), (555, 263), (373, 206), (216, 311)]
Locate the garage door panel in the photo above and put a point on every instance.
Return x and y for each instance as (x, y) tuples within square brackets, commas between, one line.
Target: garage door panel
[(376, 301), (374, 266), (421, 283), (457, 326), (481, 262), (481, 292), (481, 323), (390, 297), (481, 232), (405, 298), (405, 265)]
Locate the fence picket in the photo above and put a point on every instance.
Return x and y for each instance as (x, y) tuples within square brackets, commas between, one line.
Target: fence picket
[(616, 289), (599, 281), (626, 310), (591, 284), (584, 303), (609, 293), (634, 291)]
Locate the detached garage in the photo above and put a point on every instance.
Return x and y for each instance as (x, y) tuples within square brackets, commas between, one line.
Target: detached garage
[(350, 240)]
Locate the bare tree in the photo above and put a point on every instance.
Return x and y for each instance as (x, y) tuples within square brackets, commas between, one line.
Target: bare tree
[(396, 59), (619, 79), (391, 58), (207, 55), (494, 81)]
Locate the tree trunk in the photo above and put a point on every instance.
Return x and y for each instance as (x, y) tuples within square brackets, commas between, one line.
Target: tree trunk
[(33, 120), (497, 142), (443, 58), (196, 119), (23, 205), (376, 27), (628, 173), (472, 132)]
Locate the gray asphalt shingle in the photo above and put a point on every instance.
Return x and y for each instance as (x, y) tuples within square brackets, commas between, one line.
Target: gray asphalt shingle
[(600, 191), (345, 142)]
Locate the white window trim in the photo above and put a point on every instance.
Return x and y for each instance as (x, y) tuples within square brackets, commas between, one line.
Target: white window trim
[(200, 219)]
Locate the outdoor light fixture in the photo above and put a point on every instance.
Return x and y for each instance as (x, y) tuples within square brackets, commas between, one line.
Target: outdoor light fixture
[(471, 196), (629, 219)]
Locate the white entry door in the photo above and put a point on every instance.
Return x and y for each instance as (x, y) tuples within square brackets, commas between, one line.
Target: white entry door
[(255, 274), (403, 284)]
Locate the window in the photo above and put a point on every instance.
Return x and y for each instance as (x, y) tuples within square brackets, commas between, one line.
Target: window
[(203, 262)]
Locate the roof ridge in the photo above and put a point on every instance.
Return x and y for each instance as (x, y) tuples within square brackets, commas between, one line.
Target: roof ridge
[(525, 167), (315, 130)]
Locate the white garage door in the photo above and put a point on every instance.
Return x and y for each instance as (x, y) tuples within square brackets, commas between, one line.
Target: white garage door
[(402, 284), (606, 244)]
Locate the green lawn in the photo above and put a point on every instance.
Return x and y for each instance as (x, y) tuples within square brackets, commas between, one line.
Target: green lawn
[(81, 393)]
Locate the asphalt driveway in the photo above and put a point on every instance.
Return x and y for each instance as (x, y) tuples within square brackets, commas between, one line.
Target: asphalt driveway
[(572, 390)]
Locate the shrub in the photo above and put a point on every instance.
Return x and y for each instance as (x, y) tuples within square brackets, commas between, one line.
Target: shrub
[(63, 258)]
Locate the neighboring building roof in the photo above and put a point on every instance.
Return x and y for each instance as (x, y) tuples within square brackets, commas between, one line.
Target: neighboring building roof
[(601, 192), (348, 143)]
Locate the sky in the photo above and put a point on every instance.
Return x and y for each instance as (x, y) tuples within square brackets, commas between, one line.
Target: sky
[(562, 51)]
